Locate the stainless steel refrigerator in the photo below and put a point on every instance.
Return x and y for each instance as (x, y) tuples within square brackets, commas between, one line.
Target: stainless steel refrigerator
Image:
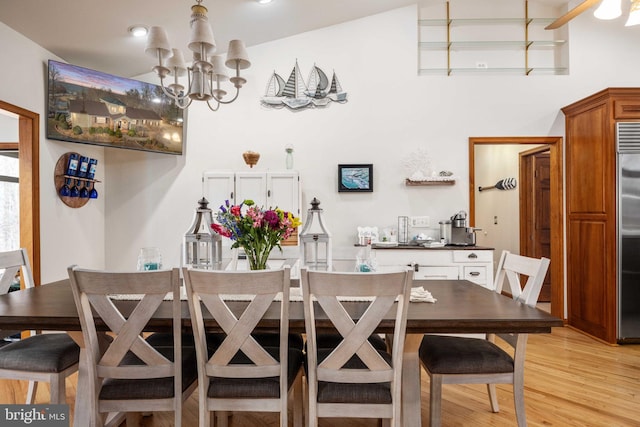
[(628, 199)]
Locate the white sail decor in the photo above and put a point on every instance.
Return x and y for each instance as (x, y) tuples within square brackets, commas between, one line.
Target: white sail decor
[(295, 94)]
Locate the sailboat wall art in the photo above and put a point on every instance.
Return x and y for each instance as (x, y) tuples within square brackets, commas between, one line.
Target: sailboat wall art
[(296, 94)]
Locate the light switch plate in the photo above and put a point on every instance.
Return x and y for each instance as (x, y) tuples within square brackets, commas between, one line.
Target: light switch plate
[(419, 221)]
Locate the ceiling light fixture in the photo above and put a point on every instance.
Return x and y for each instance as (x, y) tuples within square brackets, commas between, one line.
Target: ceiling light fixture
[(634, 14), (264, 1), (207, 70), (608, 9), (138, 30)]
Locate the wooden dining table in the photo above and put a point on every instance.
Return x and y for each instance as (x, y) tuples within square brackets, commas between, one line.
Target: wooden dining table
[(461, 307)]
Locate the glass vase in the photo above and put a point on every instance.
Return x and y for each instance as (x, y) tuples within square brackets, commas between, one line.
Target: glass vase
[(257, 255), (289, 160)]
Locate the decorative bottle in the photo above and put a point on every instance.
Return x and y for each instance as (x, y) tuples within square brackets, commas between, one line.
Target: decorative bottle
[(72, 166)]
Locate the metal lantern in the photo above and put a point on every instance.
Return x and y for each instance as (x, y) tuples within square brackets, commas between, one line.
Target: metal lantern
[(316, 240), (202, 245)]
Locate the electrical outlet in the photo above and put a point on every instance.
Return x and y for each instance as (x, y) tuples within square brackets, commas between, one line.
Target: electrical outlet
[(419, 221), (482, 65)]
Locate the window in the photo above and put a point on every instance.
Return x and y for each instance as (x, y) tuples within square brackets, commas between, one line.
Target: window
[(9, 201)]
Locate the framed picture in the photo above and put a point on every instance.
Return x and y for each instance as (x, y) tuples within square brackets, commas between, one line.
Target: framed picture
[(91, 107), (355, 178)]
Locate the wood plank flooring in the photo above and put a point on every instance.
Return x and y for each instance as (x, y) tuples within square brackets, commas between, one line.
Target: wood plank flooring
[(570, 380)]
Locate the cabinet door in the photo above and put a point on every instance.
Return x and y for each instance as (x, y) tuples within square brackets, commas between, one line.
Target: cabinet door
[(217, 187), (436, 273), (251, 186), (283, 191)]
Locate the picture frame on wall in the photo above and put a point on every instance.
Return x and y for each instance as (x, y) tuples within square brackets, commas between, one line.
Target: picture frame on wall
[(91, 107), (355, 178)]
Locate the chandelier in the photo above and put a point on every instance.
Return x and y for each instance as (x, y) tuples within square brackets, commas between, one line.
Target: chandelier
[(207, 70)]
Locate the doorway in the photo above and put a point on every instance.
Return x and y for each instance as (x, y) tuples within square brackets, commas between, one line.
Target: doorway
[(554, 147), (29, 178)]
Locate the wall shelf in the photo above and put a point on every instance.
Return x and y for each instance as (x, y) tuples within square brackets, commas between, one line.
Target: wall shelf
[(410, 183), (61, 178), (463, 44)]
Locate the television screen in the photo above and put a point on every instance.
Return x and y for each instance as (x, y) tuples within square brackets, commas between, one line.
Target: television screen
[(91, 107)]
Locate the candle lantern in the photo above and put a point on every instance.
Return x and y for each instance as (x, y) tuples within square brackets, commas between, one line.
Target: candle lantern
[(316, 240), (202, 245)]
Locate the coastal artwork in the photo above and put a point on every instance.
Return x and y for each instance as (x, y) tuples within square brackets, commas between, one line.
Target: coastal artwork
[(91, 107), (296, 93), (355, 178)]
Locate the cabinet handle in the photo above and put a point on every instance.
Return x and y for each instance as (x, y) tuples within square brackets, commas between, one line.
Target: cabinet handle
[(231, 197), (474, 273), (268, 193), (472, 255), (415, 266)]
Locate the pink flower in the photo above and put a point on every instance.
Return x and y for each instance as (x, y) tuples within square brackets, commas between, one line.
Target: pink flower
[(220, 230)]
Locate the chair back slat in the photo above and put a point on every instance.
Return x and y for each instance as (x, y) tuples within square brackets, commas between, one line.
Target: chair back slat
[(10, 263), (512, 267), (92, 290), (207, 288), (354, 361)]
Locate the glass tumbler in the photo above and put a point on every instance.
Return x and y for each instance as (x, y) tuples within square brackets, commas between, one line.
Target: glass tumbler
[(149, 259)]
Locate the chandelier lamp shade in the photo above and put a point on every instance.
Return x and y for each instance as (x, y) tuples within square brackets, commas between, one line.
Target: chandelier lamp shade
[(612, 9), (207, 70)]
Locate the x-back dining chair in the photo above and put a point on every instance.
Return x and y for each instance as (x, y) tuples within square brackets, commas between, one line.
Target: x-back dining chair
[(48, 357), (355, 379), (460, 360), (248, 370), (129, 373)]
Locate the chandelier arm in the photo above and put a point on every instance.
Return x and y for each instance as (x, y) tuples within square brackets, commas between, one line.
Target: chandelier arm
[(231, 100), (217, 105)]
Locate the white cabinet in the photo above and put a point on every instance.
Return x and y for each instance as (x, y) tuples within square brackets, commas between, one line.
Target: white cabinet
[(270, 189), (475, 265)]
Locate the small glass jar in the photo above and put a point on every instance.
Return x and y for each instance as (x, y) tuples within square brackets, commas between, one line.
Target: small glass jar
[(149, 259)]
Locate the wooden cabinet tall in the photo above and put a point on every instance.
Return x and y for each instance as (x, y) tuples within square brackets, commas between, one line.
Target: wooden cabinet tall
[(591, 207)]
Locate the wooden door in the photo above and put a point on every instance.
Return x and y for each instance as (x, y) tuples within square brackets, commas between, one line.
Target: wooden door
[(535, 210)]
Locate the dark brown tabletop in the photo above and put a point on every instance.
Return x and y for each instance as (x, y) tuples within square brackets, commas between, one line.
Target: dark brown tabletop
[(462, 307)]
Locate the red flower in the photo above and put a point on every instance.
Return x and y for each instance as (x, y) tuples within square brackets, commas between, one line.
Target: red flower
[(220, 230), (235, 210)]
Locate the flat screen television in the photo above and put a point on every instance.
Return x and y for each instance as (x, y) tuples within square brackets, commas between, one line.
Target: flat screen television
[(91, 107)]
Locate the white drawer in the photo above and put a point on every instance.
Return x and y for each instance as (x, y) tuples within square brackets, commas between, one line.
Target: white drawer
[(471, 256), (476, 274), (407, 256), (436, 273)]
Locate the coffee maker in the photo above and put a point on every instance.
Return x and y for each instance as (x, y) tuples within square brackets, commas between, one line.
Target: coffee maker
[(461, 234)]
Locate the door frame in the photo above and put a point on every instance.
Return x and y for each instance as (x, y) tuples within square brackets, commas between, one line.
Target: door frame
[(29, 177), (554, 144)]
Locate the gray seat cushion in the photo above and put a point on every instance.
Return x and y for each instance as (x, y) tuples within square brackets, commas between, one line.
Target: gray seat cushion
[(461, 355), (255, 387), (40, 353), (353, 393), (153, 388), (332, 341)]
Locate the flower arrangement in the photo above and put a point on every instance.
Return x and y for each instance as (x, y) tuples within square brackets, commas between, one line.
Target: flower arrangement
[(257, 231)]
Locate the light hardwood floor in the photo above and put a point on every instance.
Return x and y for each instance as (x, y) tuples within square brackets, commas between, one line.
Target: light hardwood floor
[(570, 380)]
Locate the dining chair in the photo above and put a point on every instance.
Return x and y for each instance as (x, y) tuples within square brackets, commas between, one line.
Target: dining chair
[(461, 360), (127, 372), (50, 357), (249, 370), (355, 379)]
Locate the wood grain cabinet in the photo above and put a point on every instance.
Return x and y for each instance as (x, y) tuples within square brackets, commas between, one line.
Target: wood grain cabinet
[(591, 207)]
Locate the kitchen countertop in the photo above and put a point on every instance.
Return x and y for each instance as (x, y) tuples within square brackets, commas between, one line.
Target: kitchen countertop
[(441, 248)]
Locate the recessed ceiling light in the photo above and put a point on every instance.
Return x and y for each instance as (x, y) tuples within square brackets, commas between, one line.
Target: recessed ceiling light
[(264, 1), (138, 30)]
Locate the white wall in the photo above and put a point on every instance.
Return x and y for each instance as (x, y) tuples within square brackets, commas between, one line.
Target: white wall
[(67, 235), (391, 113), (149, 199)]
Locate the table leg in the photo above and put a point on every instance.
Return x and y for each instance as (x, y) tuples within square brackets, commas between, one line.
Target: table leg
[(411, 381)]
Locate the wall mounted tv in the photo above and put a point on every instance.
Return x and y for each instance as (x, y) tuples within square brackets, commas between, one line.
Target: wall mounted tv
[(91, 107)]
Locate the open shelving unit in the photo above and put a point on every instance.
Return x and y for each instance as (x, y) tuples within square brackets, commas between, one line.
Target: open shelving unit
[(453, 42)]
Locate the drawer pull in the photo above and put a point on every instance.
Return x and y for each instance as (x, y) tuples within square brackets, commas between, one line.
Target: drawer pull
[(472, 256), (474, 273)]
